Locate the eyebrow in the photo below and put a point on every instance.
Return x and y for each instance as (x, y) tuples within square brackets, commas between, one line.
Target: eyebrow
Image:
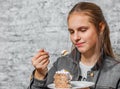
[(69, 29), (79, 28)]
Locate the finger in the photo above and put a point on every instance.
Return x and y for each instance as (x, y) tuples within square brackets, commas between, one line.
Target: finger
[(39, 54), (45, 64), (41, 58), (44, 61), (45, 57), (42, 65), (41, 50)]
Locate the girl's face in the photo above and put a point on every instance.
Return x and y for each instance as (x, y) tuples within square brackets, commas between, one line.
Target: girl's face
[(82, 32)]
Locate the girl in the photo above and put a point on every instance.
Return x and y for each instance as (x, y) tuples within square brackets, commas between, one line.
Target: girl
[(92, 59)]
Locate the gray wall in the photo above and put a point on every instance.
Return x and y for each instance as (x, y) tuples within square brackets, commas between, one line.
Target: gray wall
[(28, 25)]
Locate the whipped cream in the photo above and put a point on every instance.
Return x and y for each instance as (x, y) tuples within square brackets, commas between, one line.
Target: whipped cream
[(63, 71)]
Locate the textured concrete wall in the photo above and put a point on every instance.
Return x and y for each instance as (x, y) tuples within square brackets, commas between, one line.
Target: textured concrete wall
[(28, 25)]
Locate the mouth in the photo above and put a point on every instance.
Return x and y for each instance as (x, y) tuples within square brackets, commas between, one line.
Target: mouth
[(79, 44)]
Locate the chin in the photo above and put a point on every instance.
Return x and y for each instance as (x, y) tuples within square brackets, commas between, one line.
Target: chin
[(81, 50)]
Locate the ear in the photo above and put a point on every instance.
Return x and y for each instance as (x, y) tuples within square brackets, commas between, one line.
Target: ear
[(101, 27)]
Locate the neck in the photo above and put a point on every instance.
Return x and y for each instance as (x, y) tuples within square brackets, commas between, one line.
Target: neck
[(89, 58)]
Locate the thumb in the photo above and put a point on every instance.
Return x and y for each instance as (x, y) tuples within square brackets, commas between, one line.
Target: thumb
[(41, 50)]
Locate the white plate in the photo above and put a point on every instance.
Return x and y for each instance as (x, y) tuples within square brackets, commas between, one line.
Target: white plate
[(75, 85)]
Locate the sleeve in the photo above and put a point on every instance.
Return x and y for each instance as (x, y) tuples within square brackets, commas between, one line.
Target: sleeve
[(118, 85), (35, 83)]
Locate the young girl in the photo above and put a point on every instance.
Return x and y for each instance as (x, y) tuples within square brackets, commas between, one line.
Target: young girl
[(92, 59)]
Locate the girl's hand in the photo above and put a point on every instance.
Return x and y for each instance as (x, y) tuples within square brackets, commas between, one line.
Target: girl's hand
[(40, 62)]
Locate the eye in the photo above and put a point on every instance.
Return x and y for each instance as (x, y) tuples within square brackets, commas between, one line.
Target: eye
[(83, 30), (70, 31)]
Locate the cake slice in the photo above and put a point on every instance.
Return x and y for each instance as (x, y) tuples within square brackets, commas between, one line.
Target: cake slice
[(62, 79)]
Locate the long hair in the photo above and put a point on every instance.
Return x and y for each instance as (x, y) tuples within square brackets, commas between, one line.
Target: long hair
[(96, 17)]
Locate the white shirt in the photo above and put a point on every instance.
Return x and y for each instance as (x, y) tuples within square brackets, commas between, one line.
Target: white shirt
[(84, 69)]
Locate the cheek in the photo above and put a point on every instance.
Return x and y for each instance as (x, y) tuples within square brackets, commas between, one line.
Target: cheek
[(92, 39), (71, 38)]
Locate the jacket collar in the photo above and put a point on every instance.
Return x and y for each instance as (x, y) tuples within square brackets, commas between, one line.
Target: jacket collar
[(75, 55)]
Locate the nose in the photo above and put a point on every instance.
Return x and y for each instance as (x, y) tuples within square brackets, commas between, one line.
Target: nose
[(76, 36)]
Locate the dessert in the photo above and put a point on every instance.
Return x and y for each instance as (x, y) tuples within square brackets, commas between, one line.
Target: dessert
[(64, 52), (62, 79)]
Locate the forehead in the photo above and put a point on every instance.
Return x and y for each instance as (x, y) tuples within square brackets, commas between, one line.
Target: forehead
[(78, 19)]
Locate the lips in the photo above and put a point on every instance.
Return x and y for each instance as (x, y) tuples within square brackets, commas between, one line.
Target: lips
[(79, 44)]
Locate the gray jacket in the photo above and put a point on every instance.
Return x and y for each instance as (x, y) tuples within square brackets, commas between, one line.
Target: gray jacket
[(105, 74)]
